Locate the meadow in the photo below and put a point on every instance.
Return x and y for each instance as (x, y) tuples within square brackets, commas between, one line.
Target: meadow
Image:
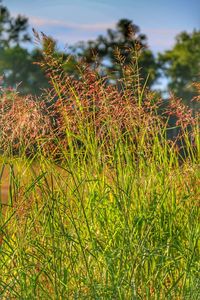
[(96, 201)]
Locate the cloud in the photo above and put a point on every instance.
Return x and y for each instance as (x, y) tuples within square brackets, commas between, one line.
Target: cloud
[(161, 38), (35, 21), (163, 31)]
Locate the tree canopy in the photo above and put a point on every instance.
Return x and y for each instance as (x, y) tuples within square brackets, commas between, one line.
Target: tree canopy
[(181, 64), (116, 45), (16, 62), (13, 31)]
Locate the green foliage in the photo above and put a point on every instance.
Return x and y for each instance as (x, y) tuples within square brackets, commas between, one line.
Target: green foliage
[(182, 64), (18, 68), (101, 225), (16, 63), (13, 31)]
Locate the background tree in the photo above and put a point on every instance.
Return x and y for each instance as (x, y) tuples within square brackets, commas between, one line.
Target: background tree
[(13, 31), (124, 37), (16, 62), (18, 69), (181, 64)]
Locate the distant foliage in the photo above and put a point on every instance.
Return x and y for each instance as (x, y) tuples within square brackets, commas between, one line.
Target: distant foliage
[(181, 64)]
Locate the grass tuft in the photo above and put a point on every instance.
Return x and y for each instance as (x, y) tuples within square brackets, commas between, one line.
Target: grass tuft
[(96, 201)]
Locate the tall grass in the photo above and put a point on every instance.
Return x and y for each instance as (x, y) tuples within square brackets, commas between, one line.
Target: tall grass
[(101, 205)]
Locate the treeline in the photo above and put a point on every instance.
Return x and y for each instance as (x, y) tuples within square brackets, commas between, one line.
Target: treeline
[(181, 64)]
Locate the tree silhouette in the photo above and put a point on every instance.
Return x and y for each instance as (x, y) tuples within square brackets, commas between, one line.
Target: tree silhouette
[(16, 62), (13, 31)]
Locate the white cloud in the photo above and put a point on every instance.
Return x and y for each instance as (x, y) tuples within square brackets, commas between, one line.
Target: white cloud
[(35, 21), (161, 38)]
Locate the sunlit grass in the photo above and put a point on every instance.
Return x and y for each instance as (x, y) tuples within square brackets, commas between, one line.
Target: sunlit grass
[(104, 207)]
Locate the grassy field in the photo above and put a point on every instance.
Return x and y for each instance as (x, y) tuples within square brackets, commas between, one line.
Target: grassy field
[(105, 207)]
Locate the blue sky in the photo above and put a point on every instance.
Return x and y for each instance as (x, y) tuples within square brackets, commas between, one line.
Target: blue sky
[(69, 21)]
